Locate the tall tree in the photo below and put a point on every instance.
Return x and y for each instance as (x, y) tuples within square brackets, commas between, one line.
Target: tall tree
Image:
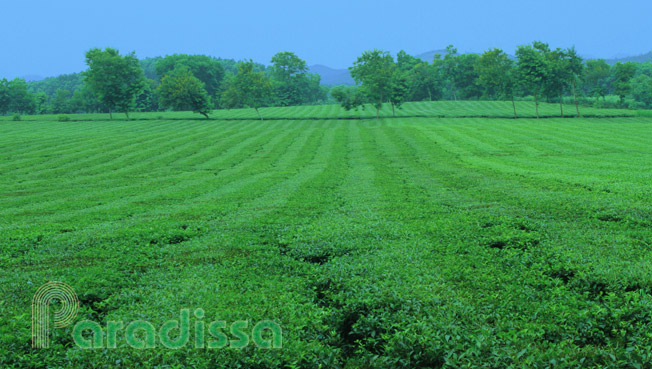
[(374, 70), (623, 73), (406, 62), (247, 88), (4, 96), (61, 102), (20, 99), (449, 68), (424, 82), (207, 69), (558, 76), (116, 80), (398, 90), (533, 69), (641, 87), (596, 78), (292, 83), (576, 69), (181, 90), (496, 72)]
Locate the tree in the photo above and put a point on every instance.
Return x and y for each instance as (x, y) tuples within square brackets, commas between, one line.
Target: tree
[(406, 62), (596, 78), (247, 88), (85, 100), (641, 87), (576, 69), (424, 82), (496, 72), (40, 103), (61, 102), (148, 100), (207, 69), (533, 69), (449, 68), (348, 96), (20, 99), (374, 70), (181, 90), (558, 75), (398, 90), (116, 80), (623, 73), (4, 96), (292, 83)]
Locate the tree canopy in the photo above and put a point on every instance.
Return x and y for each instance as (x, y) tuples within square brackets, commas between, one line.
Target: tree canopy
[(116, 80), (248, 88), (207, 69), (181, 90)]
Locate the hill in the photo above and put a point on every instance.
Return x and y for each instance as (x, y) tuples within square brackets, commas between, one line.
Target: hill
[(332, 77), (643, 58)]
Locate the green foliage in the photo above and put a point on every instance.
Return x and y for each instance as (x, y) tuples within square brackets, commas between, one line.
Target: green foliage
[(623, 74), (19, 98), (16, 117), (116, 80), (496, 73), (533, 69), (641, 88), (596, 78), (349, 97), (292, 84), (248, 88), (374, 71), (5, 99), (459, 73), (63, 118), (404, 243), (69, 82), (181, 90), (207, 69)]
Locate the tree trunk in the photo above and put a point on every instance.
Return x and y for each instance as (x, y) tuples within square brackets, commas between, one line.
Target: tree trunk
[(127, 114), (393, 113), (429, 95), (377, 113), (514, 106), (110, 114), (261, 117), (204, 114), (561, 104), (536, 104), (577, 104)]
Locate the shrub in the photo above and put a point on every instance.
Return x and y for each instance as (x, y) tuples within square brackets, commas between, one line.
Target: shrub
[(63, 118), (16, 117)]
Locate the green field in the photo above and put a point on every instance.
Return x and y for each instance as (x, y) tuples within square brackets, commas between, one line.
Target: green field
[(421, 241)]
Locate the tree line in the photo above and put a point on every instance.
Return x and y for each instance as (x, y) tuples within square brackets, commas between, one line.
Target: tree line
[(536, 71), (180, 82), (199, 83)]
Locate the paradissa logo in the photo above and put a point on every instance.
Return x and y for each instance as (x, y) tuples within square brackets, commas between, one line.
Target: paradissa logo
[(140, 334)]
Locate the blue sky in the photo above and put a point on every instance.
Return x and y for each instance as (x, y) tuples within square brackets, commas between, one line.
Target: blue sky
[(50, 37)]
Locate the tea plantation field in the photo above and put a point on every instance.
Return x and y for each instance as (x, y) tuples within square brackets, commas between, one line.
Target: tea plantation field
[(428, 240)]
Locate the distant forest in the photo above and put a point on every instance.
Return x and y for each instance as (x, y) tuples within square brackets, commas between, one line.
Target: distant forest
[(537, 72)]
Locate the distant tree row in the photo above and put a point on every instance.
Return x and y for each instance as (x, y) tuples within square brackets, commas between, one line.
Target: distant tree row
[(536, 71), (199, 83), (120, 83)]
